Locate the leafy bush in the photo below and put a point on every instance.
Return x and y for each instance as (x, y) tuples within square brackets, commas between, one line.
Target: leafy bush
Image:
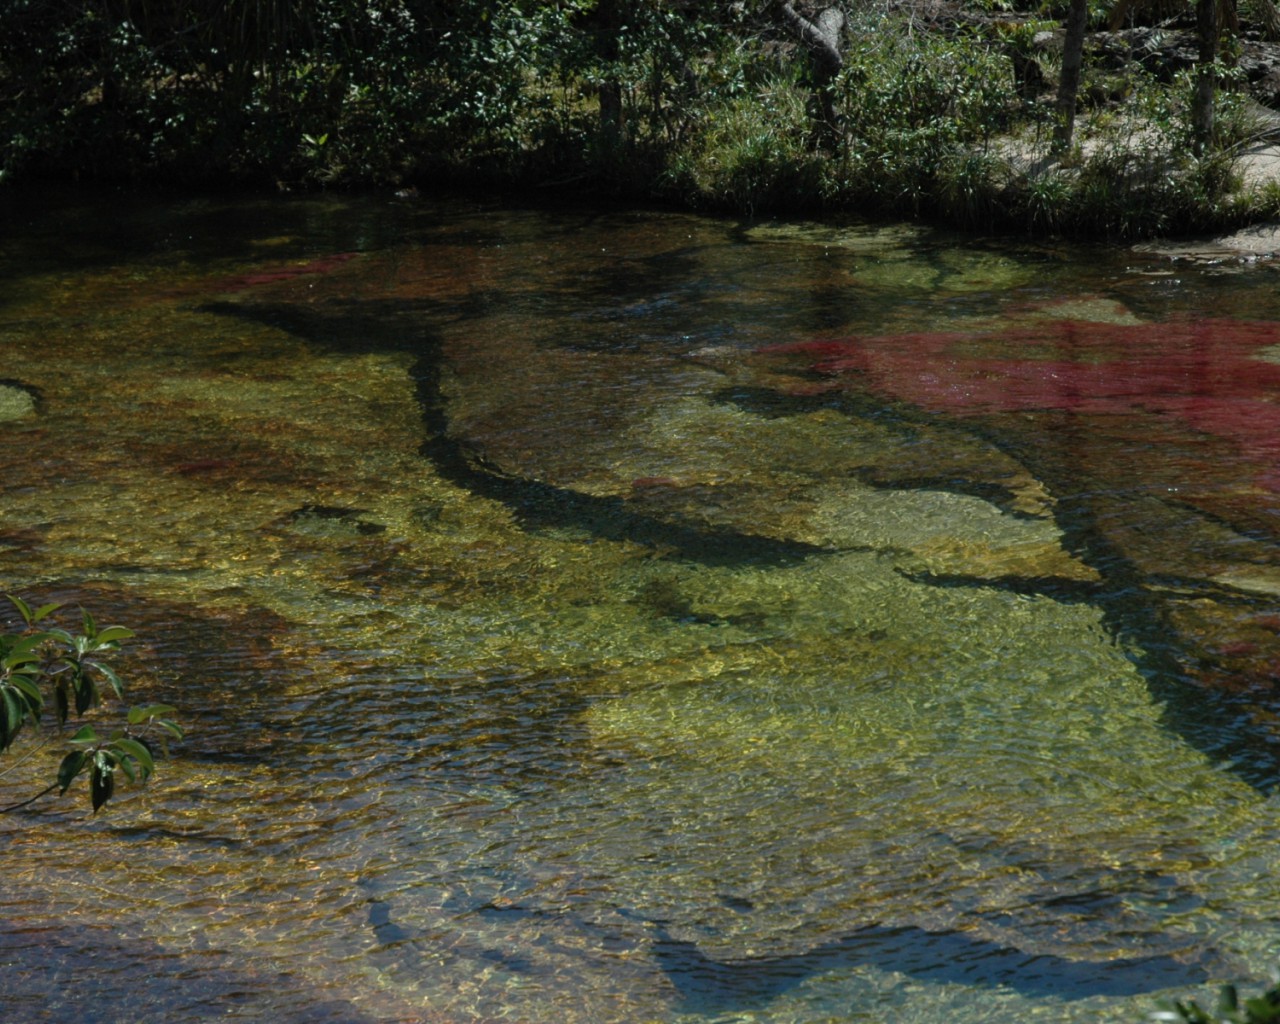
[(44, 660), (637, 97), (751, 152), (910, 102)]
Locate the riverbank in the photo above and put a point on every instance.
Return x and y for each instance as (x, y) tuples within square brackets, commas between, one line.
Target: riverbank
[(936, 111)]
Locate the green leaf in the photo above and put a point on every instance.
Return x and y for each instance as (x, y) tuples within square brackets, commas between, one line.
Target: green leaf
[(45, 610), (171, 727), (72, 765), (30, 693), (15, 714), (90, 627), (1192, 1012), (85, 734), (112, 678), (60, 701), (144, 712), (114, 633), (22, 607), (27, 643), (102, 782), (135, 750), (23, 650), (85, 689), (19, 659), (1261, 1010)]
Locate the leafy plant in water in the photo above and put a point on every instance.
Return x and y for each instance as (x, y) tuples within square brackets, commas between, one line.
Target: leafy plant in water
[(42, 660), (1230, 1009)]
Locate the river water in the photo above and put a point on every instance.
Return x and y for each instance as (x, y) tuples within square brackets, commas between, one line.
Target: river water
[(588, 615)]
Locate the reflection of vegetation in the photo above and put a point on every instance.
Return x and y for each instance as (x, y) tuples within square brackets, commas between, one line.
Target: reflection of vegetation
[(46, 658)]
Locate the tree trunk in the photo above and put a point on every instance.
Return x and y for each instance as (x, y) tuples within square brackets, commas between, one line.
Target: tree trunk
[(1269, 18), (1069, 80), (1206, 74), (821, 37), (611, 17)]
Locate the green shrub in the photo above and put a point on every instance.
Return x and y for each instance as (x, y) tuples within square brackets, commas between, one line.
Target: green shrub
[(911, 102), (751, 153), (971, 188)]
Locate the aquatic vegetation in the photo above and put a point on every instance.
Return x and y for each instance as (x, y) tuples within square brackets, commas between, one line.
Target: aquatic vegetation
[(1201, 381), (1178, 415), (1208, 373), (286, 273), (16, 401)]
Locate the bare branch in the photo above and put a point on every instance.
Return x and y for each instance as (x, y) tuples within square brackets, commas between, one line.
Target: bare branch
[(823, 37)]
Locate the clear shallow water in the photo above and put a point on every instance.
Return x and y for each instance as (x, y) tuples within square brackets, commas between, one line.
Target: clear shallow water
[(609, 616)]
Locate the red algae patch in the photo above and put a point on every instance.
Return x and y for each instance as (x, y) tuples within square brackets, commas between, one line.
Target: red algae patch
[(286, 273), (1212, 376)]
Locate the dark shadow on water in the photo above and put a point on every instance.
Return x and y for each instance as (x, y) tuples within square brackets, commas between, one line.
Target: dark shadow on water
[(399, 326), (706, 985), (91, 975)]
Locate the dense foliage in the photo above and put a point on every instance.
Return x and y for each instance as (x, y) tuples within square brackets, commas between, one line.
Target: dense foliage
[(332, 90), (893, 105), (43, 660)]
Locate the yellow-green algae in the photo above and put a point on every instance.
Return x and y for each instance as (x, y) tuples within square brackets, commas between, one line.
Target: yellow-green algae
[(15, 403)]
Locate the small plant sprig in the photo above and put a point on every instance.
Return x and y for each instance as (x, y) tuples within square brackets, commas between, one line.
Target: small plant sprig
[(1230, 1009), (43, 659)]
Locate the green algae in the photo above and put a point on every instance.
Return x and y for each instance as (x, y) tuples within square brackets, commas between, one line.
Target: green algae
[(862, 239), (902, 258), (1087, 309), (15, 403), (900, 695)]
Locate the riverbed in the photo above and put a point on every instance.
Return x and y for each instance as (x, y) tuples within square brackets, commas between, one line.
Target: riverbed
[(594, 615)]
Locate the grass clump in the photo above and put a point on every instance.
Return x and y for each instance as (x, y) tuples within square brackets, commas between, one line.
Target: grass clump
[(752, 152)]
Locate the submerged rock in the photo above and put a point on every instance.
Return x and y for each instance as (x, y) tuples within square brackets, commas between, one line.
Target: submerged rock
[(891, 240), (17, 401), (333, 521), (1252, 244)]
